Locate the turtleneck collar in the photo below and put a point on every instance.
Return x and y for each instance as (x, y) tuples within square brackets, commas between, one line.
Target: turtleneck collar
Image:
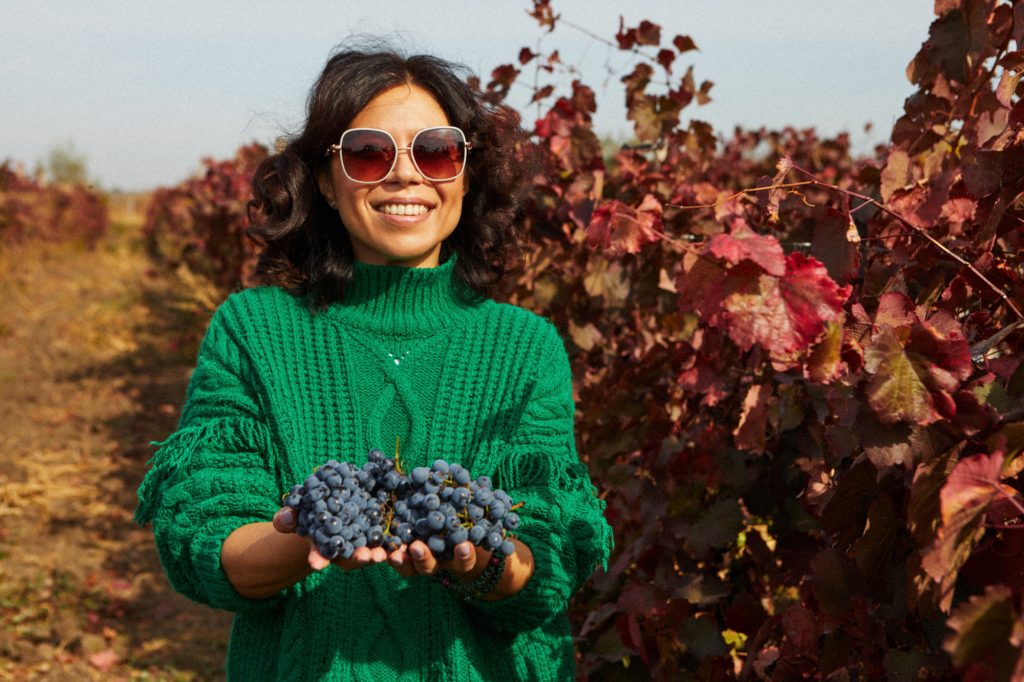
[(393, 299)]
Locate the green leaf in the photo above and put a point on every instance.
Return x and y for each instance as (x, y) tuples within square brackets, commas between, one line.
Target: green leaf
[(896, 391), (981, 627)]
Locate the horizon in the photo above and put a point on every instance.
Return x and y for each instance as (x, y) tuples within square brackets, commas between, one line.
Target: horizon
[(190, 81)]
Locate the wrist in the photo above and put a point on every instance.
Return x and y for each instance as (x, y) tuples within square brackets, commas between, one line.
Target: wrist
[(494, 577)]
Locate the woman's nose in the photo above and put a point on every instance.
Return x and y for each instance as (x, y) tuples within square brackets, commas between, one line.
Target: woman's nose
[(405, 170)]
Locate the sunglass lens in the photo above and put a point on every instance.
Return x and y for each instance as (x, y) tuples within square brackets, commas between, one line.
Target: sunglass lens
[(367, 155), (441, 153)]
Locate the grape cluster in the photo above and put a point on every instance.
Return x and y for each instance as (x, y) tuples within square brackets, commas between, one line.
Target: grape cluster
[(342, 507)]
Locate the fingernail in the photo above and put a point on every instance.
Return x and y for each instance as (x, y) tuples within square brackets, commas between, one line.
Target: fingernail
[(463, 552), (417, 552), (287, 516)]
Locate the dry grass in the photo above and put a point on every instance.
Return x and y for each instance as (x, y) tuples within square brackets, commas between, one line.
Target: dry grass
[(93, 365)]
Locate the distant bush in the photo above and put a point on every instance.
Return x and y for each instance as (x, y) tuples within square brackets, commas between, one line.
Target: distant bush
[(201, 222), (31, 208)]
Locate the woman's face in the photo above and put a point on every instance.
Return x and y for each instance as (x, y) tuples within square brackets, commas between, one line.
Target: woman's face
[(402, 219)]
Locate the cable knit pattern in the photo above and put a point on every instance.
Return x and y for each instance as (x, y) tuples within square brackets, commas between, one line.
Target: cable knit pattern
[(409, 354)]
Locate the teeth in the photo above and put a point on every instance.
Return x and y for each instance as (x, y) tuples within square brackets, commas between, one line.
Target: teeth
[(403, 209)]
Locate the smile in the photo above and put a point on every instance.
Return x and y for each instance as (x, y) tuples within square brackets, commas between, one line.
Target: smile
[(403, 209)]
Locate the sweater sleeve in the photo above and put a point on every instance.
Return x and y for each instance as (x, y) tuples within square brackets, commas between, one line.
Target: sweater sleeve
[(211, 476), (562, 519)]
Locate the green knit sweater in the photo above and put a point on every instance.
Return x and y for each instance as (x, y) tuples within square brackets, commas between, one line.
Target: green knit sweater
[(277, 390)]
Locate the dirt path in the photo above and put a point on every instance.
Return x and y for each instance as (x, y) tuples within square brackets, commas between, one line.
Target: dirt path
[(92, 367)]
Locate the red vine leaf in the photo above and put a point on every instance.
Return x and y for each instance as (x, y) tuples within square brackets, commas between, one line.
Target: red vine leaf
[(684, 43), (836, 243), (665, 58), (969, 489), (525, 55), (544, 15), (974, 482), (623, 229), (745, 244)]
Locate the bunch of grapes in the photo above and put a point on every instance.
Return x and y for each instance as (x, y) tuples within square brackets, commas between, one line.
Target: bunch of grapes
[(343, 507)]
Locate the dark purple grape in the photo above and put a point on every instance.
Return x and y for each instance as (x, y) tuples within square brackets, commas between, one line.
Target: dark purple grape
[(404, 533), (457, 536), (436, 544), (435, 520), (476, 534)]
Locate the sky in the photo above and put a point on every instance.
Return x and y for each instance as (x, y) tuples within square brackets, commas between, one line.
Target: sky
[(142, 90)]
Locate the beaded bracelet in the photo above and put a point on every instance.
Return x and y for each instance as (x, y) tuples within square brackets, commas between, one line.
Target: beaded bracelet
[(481, 585)]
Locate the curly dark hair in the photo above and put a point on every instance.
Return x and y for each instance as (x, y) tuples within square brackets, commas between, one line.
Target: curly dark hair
[(304, 246)]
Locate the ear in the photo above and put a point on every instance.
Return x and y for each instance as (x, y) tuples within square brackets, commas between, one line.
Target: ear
[(326, 185)]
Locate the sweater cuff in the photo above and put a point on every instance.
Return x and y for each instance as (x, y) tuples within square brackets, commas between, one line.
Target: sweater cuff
[(218, 590)]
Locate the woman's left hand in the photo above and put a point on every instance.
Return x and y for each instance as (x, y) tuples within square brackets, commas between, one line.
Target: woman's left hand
[(468, 563), (417, 559)]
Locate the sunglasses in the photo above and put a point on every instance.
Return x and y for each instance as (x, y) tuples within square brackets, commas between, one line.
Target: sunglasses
[(368, 155)]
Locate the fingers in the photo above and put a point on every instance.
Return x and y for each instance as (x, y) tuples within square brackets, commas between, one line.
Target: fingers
[(362, 556), (316, 560), (401, 561), (285, 520), (423, 560), (464, 560)]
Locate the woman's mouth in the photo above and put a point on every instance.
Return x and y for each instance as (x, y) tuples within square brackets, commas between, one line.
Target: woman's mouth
[(402, 209)]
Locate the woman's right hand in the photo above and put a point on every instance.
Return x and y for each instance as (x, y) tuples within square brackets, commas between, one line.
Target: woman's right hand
[(285, 521)]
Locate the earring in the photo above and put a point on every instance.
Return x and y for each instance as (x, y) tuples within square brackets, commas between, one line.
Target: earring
[(330, 202)]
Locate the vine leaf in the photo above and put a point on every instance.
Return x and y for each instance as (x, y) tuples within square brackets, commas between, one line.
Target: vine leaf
[(970, 488), (915, 368), (785, 315), (751, 430), (981, 626), (745, 244), (620, 228)]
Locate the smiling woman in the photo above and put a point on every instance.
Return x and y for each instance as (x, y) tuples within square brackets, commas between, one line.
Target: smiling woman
[(316, 221), (402, 215), (384, 224)]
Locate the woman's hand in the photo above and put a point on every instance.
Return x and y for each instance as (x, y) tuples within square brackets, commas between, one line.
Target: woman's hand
[(285, 521), (417, 559), (467, 564)]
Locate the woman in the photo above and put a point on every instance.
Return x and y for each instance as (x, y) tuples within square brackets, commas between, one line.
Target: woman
[(384, 223)]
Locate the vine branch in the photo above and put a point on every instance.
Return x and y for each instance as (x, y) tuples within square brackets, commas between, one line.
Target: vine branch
[(818, 182)]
